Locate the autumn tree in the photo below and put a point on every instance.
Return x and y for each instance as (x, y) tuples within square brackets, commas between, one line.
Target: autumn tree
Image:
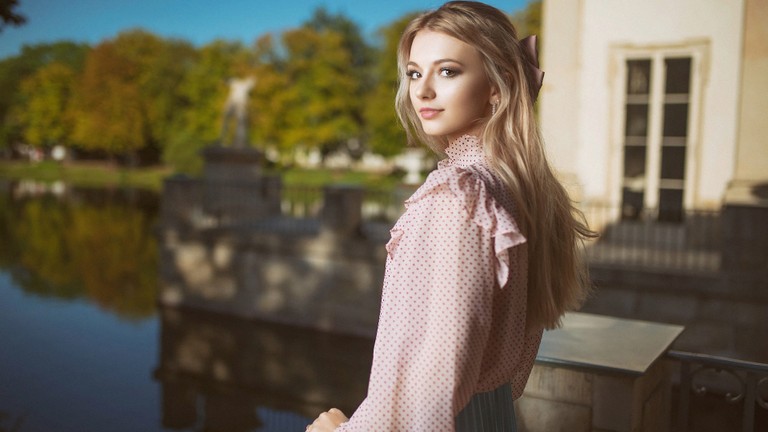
[(361, 57), (44, 113), (14, 70), (323, 95), (386, 135), (270, 99), (109, 113), (128, 95)]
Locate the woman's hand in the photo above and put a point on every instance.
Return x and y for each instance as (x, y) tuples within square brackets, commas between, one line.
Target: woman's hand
[(327, 421)]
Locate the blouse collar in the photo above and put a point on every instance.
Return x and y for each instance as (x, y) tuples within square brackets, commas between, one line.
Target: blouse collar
[(463, 152)]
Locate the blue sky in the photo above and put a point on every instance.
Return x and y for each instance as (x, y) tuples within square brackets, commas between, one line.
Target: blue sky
[(198, 21)]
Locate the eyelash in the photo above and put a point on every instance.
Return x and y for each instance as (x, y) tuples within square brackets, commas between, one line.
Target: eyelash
[(448, 72), (445, 72), (412, 74)]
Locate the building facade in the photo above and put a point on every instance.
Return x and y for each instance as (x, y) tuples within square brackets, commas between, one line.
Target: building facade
[(645, 103)]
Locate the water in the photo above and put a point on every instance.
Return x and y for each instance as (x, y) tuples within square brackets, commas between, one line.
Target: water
[(83, 346)]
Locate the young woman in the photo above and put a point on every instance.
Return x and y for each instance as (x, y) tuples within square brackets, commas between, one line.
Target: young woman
[(486, 255)]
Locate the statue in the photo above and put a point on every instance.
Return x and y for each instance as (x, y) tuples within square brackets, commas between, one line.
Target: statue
[(237, 106)]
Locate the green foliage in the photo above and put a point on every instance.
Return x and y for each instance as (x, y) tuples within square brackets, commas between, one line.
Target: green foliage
[(14, 70), (45, 118), (386, 135), (528, 21), (202, 92), (319, 86), (127, 98), (89, 174), (321, 104), (108, 108)]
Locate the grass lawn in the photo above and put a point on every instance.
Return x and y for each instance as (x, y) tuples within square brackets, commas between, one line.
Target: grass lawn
[(84, 174), (110, 175)]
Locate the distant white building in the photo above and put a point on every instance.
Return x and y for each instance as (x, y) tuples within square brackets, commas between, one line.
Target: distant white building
[(655, 103)]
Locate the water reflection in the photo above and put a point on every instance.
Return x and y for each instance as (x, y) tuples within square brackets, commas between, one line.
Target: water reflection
[(87, 243), (83, 346), (233, 375)]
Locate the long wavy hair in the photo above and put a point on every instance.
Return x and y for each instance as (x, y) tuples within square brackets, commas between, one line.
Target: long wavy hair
[(555, 229)]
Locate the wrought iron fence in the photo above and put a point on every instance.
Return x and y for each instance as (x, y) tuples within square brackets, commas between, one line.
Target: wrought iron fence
[(735, 381), (693, 243)]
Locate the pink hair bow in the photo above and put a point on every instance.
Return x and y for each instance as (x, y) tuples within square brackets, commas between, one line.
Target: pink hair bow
[(535, 75)]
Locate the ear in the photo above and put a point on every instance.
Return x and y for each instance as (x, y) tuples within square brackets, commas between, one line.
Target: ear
[(493, 97)]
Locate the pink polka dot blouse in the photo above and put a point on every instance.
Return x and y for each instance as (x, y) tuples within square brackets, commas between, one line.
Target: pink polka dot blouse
[(453, 307)]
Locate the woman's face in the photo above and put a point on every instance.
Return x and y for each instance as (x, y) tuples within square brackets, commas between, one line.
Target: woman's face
[(448, 86)]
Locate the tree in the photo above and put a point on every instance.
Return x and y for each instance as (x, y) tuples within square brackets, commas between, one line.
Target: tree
[(202, 92), (270, 100), (527, 21), (128, 96), (323, 95), (8, 16), (386, 135), (15, 69), (361, 54), (44, 115), (109, 112)]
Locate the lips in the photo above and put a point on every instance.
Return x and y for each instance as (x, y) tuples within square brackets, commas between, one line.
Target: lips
[(429, 113)]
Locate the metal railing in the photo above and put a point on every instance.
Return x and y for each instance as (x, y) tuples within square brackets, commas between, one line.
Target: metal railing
[(693, 243), (736, 381)]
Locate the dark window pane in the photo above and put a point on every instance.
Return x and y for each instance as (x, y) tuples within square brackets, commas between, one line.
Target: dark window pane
[(676, 120), (670, 205), (634, 162), (637, 120), (678, 75), (638, 76), (673, 163), (631, 203)]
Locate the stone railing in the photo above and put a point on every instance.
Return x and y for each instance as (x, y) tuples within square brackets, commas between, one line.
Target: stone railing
[(600, 373)]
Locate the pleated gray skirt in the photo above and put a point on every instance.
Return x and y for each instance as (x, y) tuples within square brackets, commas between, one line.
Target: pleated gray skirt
[(492, 411)]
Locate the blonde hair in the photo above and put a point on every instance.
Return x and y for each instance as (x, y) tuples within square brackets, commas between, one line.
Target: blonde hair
[(555, 229)]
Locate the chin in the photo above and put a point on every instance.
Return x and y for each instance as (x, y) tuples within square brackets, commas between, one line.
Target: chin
[(432, 130)]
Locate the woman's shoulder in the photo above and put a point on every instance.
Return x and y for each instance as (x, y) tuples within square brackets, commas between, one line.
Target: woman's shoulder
[(475, 189), (461, 182), (472, 185)]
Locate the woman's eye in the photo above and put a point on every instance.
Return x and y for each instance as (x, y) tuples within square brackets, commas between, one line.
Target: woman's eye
[(412, 74), (447, 72)]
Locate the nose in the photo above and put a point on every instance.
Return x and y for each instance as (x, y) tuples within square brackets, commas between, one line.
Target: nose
[(424, 88)]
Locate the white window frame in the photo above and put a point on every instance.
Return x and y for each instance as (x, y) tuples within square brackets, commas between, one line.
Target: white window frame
[(698, 51)]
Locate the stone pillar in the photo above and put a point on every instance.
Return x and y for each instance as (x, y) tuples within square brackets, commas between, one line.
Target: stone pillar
[(342, 209), (234, 189)]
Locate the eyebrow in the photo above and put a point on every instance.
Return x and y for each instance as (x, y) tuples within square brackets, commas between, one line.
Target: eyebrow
[(439, 61)]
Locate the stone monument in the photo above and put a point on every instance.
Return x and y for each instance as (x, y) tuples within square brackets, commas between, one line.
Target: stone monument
[(234, 190)]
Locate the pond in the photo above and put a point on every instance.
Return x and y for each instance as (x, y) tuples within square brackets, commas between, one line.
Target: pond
[(84, 346)]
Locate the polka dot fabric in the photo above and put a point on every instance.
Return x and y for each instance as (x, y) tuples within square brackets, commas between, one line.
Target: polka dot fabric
[(452, 320)]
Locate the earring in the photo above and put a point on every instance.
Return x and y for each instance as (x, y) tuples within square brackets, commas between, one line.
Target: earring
[(493, 108)]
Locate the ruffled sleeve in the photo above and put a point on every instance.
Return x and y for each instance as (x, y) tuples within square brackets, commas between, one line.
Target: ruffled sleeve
[(446, 259), (482, 208)]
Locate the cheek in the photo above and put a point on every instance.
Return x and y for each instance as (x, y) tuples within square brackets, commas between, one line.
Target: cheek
[(471, 98), (482, 97)]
